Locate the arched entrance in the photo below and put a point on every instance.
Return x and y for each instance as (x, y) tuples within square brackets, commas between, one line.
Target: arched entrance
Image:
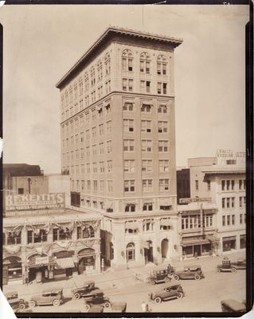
[(148, 251), (164, 248), (12, 269), (37, 266), (87, 259)]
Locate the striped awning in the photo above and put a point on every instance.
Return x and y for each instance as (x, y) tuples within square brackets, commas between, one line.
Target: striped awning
[(191, 242), (64, 263)]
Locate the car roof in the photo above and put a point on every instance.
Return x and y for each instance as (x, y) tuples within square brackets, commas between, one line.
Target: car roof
[(172, 286), (234, 304), (89, 282), (11, 293), (97, 291), (57, 290)]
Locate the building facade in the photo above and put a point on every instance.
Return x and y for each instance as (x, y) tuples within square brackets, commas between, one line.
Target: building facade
[(219, 182), (118, 141)]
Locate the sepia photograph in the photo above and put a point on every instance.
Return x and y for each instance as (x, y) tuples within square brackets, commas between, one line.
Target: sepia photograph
[(124, 162)]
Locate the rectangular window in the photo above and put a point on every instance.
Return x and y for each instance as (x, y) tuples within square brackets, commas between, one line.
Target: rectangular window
[(163, 185), (162, 109), (223, 200), (147, 207), (128, 106), (110, 186), (146, 108), (241, 218), (94, 167), (232, 185), (147, 185), (129, 166), (163, 166), (196, 185), (147, 166), (163, 146), (164, 88), (108, 125), (128, 125), (148, 83), (109, 146), (233, 219), (102, 167), (95, 186), (129, 208), (223, 220), (146, 145), (162, 127), (232, 202), (228, 219), (128, 145), (101, 129), (129, 186), (109, 166), (101, 148), (146, 126), (228, 185)]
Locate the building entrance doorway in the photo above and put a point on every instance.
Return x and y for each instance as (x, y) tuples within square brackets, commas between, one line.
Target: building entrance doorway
[(164, 248), (197, 250), (148, 252)]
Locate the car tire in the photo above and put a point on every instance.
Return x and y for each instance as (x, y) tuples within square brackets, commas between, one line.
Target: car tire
[(32, 303), (158, 300), (77, 295), (176, 277), (22, 306), (233, 269), (87, 307), (56, 302), (197, 277), (107, 304), (179, 295)]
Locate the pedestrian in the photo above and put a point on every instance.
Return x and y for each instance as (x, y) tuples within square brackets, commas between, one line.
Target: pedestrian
[(143, 306)]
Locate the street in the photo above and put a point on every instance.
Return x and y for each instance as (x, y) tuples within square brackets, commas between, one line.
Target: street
[(200, 295)]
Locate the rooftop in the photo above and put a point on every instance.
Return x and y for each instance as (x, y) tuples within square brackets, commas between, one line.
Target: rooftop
[(106, 37)]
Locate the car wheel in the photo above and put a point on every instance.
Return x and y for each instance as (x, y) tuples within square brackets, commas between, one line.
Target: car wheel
[(56, 302), (158, 299), (32, 303), (77, 295), (197, 277), (179, 295), (87, 306), (176, 277), (107, 304), (22, 306), (233, 269)]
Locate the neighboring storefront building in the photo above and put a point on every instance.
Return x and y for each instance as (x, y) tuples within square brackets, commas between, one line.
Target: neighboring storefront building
[(42, 240)]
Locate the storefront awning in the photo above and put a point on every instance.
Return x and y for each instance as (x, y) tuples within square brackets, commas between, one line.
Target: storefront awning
[(132, 226), (65, 263), (166, 222), (194, 242), (213, 239)]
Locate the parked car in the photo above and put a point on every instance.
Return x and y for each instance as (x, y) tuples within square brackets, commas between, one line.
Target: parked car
[(97, 298), (117, 307), (49, 297), (169, 292), (17, 304), (239, 264), (190, 272), (83, 291), (231, 305), (161, 274), (228, 266)]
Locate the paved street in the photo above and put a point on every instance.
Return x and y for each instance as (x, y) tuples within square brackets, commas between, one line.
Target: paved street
[(200, 296)]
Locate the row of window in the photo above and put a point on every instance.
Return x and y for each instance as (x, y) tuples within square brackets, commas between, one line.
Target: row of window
[(229, 202), (228, 220), (41, 235), (195, 221), (146, 145), (146, 126), (147, 185), (145, 86), (229, 185), (84, 119)]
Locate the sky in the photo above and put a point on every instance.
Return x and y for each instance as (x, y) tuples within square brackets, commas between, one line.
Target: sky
[(41, 43)]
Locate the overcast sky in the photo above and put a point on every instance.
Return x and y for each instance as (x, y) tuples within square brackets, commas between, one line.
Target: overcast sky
[(42, 42)]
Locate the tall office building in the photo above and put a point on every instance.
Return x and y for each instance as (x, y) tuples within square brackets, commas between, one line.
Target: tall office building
[(118, 143)]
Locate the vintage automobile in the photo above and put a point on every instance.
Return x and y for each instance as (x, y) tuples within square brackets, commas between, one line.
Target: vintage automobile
[(48, 297), (189, 272), (161, 274), (228, 266), (96, 298), (231, 305), (84, 290), (17, 304), (116, 307), (167, 293)]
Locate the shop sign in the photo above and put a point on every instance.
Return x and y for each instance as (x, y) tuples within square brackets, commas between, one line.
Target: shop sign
[(34, 201), (41, 260), (227, 153), (194, 200)]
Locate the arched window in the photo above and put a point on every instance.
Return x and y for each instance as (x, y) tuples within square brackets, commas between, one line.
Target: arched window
[(127, 61), (130, 252), (161, 65), (107, 63), (145, 63)]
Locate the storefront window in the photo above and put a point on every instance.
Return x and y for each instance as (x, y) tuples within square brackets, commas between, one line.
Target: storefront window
[(242, 241), (229, 243)]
